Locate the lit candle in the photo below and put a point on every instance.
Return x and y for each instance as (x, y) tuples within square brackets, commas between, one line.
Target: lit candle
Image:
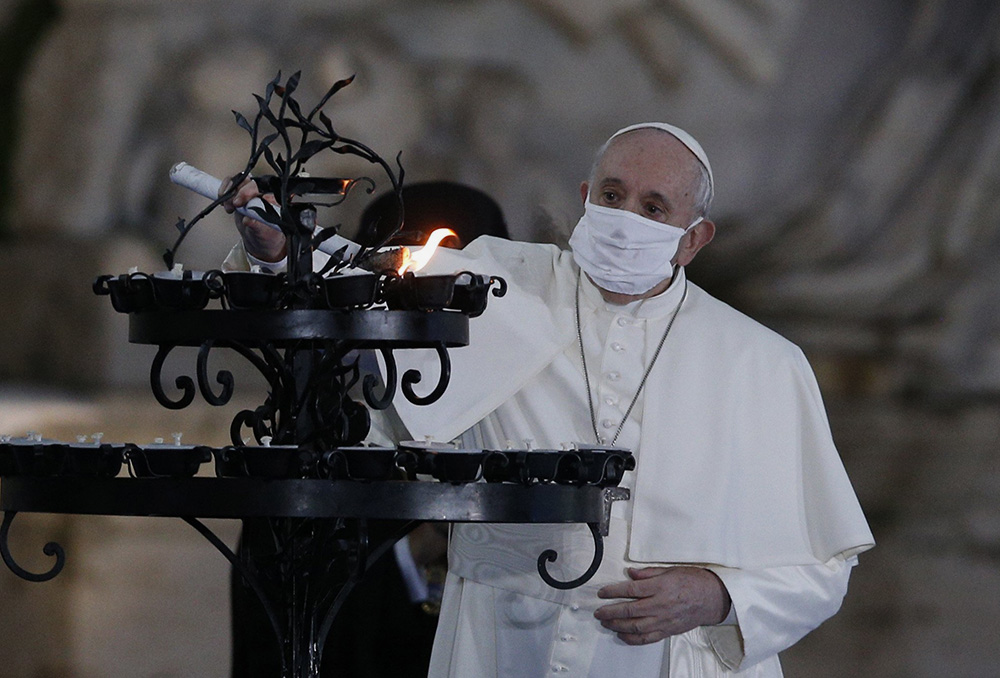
[(414, 261)]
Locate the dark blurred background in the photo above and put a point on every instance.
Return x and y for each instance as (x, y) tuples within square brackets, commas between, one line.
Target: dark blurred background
[(856, 148)]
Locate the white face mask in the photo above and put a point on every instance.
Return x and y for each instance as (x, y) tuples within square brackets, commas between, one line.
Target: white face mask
[(624, 252)]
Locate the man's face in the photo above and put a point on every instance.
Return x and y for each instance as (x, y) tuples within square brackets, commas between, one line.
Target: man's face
[(650, 173)]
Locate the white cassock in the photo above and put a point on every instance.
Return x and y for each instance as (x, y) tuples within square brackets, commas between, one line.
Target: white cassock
[(736, 471)]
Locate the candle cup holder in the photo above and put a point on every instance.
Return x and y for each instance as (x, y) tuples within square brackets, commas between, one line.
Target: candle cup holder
[(361, 463), (129, 292), (187, 292), (93, 460), (31, 458), (470, 296), (358, 291), (252, 290), (457, 466), (421, 454), (166, 461), (445, 462), (497, 467), (8, 461), (410, 292), (274, 461), (540, 466)]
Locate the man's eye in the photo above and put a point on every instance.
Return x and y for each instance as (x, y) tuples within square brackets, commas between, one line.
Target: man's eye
[(610, 196)]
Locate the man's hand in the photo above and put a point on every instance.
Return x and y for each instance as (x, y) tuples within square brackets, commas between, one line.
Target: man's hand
[(665, 601), (260, 240)]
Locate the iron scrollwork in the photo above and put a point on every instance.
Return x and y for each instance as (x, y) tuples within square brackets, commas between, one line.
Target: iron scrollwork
[(50, 549), (371, 382), (411, 377), (550, 556), (224, 378), (184, 383)]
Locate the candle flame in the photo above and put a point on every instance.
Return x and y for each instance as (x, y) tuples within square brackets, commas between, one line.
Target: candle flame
[(414, 261)]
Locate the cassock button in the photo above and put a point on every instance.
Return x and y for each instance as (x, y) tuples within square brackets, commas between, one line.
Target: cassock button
[(609, 401), (617, 348), (607, 423), (622, 322), (614, 376)]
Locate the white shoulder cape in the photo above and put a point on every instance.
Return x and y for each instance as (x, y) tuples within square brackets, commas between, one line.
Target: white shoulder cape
[(738, 467)]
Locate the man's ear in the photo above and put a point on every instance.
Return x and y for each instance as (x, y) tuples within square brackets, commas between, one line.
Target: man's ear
[(584, 187), (693, 241)]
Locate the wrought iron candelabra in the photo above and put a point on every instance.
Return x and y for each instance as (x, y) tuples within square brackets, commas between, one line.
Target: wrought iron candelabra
[(318, 505)]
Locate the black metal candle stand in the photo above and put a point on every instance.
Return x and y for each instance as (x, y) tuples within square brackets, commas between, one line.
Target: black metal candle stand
[(318, 505)]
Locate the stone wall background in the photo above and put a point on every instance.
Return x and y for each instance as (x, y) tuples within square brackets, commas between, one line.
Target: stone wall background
[(855, 145)]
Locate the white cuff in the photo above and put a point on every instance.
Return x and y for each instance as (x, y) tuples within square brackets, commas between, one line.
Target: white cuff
[(730, 619), (268, 266), (726, 637)]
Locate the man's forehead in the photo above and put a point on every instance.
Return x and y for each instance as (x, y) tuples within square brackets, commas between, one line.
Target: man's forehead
[(650, 136), (677, 133), (649, 149)]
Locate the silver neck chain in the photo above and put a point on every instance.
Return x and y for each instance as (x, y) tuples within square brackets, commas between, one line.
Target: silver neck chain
[(649, 368)]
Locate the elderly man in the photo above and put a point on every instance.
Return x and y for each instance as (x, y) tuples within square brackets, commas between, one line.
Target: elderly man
[(742, 528)]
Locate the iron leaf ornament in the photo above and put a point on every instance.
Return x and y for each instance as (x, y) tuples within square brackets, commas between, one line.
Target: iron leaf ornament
[(284, 139)]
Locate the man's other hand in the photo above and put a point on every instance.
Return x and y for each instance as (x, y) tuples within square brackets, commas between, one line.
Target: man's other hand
[(662, 602)]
